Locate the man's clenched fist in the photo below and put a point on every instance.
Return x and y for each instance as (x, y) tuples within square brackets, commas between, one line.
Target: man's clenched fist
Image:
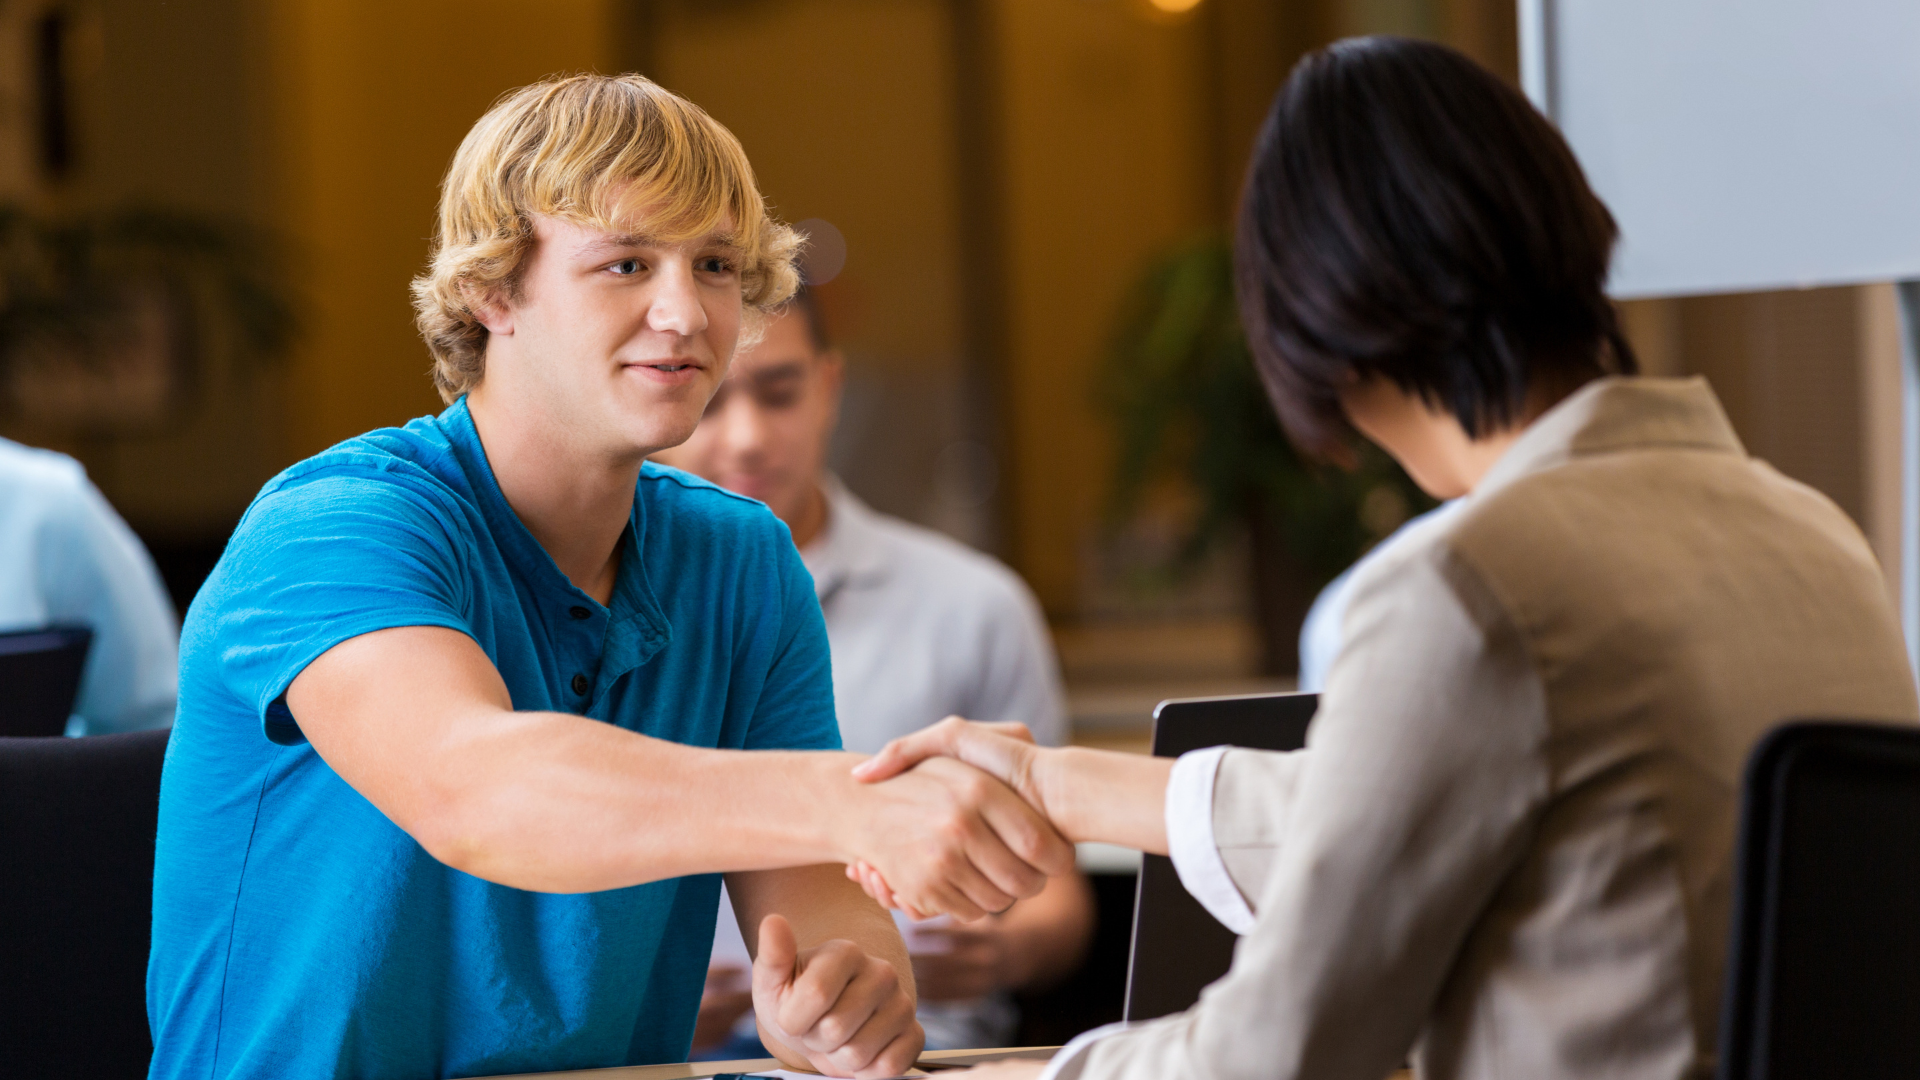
[(832, 1008)]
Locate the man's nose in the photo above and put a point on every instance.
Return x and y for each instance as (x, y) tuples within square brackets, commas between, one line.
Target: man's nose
[(676, 306), (743, 430)]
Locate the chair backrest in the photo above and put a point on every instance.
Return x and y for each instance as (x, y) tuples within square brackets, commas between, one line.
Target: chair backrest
[(1823, 968), (1178, 947), (40, 678), (77, 823)]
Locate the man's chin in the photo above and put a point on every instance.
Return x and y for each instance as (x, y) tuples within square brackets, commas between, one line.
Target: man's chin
[(657, 423)]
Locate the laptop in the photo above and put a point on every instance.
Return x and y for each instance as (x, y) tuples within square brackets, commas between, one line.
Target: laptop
[(40, 679), (1178, 947)]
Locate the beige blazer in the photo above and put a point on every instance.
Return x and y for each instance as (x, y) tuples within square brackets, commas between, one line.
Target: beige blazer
[(1508, 846)]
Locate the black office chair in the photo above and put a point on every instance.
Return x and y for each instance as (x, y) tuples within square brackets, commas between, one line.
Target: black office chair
[(40, 678), (1178, 947), (1823, 968), (77, 821)]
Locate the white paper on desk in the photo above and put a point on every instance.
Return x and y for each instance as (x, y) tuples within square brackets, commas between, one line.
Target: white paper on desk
[(784, 1074)]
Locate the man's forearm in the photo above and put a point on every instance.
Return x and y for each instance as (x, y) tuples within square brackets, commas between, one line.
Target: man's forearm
[(557, 803), (822, 905), (418, 721)]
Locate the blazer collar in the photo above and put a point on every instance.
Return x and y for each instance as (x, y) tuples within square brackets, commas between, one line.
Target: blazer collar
[(1614, 414)]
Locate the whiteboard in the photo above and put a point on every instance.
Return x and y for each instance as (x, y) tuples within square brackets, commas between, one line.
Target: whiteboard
[(1742, 145)]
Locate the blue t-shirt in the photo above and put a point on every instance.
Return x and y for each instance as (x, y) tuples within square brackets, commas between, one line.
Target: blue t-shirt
[(297, 932)]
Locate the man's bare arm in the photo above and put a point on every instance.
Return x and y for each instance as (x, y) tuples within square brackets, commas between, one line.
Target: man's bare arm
[(418, 721)]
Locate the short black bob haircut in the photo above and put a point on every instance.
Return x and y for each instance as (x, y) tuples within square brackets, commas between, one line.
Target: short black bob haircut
[(1409, 216)]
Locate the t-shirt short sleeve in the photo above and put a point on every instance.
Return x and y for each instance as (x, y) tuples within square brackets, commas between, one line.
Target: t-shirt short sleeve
[(795, 710), (323, 559)]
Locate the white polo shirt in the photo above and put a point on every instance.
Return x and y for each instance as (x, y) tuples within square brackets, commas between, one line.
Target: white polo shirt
[(923, 627)]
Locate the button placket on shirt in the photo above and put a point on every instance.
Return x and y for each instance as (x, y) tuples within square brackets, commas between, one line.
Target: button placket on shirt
[(584, 644)]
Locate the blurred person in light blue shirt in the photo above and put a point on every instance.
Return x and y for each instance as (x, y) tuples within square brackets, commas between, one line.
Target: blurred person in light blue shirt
[(67, 559), (1320, 636)]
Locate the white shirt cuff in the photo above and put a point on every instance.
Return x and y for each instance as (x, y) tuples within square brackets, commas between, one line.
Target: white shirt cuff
[(1070, 1059), (1196, 858)]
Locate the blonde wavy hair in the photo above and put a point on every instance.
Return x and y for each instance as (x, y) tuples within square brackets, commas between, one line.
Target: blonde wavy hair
[(602, 151)]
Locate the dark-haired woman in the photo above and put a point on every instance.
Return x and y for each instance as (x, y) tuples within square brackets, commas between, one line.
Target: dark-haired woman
[(1507, 847)]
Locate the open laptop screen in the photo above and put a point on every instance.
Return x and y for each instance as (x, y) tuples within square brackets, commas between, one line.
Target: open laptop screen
[(1178, 948)]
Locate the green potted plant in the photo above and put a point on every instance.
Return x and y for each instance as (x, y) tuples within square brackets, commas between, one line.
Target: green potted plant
[(1180, 388), (108, 320)]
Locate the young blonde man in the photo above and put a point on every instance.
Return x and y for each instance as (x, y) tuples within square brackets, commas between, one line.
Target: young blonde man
[(458, 759)]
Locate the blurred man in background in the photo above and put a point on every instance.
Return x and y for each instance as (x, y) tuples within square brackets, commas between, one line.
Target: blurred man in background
[(920, 627), (66, 559)]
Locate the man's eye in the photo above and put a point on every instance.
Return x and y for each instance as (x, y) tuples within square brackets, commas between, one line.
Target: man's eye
[(625, 267), (715, 264), (784, 397)]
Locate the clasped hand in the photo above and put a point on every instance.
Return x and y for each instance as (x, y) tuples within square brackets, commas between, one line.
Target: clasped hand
[(994, 842)]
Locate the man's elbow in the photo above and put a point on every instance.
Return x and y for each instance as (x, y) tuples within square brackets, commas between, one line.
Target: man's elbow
[(478, 837), (458, 833)]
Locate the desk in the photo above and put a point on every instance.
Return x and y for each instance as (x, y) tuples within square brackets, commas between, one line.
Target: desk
[(708, 1068)]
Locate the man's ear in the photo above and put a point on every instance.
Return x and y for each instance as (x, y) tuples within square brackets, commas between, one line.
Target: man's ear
[(492, 311), (833, 369)]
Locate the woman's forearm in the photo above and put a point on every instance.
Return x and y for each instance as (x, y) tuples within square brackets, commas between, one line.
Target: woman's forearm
[(1101, 795)]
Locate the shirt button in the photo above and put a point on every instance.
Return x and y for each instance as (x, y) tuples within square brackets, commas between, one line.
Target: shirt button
[(580, 684), (579, 612)]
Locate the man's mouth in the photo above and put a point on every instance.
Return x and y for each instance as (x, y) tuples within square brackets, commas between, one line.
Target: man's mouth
[(671, 372)]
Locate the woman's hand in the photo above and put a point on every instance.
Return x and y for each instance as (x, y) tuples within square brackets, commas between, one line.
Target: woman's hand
[(951, 839), (1085, 794), (1005, 751)]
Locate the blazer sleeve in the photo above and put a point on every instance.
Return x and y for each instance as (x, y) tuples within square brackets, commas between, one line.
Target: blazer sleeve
[(1224, 824), (1369, 855), (1252, 802)]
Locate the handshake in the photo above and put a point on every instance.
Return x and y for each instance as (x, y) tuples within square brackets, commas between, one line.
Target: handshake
[(972, 817), (960, 819)]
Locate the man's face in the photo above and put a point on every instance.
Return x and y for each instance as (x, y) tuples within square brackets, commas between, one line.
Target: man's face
[(616, 339), (765, 433)]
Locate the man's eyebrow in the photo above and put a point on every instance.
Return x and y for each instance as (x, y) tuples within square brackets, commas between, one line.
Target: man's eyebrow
[(606, 244), (784, 369), (623, 241)]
